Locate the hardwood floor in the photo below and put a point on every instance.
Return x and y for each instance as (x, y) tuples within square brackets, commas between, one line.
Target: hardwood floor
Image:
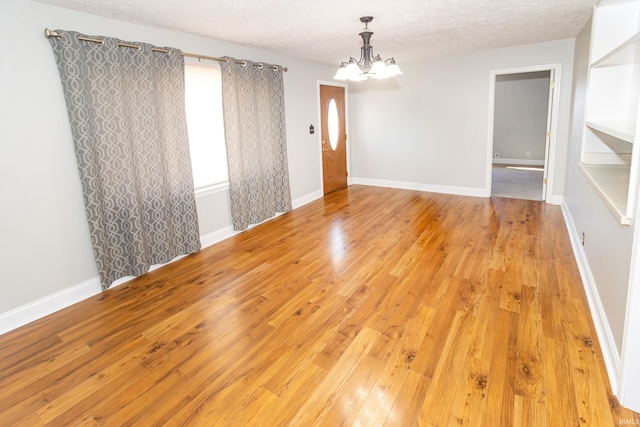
[(369, 307)]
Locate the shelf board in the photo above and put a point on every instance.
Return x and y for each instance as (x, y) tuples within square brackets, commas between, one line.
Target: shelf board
[(612, 183), (621, 130), (625, 53)]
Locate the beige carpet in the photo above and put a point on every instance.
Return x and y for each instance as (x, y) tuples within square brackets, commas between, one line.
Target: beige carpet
[(517, 182)]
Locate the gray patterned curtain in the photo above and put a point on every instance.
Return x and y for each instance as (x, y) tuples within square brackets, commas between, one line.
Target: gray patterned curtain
[(255, 136), (126, 110)]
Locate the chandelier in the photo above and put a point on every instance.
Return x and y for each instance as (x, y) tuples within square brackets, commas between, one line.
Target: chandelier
[(368, 66)]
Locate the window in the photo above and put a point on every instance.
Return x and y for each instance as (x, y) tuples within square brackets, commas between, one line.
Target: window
[(203, 99)]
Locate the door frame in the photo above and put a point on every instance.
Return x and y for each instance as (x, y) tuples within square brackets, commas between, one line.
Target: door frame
[(551, 142), (346, 126)]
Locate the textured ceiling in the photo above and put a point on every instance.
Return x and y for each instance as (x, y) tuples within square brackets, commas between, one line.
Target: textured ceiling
[(327, 30)]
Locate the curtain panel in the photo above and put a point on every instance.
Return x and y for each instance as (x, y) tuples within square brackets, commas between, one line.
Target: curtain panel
[(255, 137), (127, 115)]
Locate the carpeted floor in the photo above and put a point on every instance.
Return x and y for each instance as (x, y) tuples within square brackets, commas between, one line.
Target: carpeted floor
[(517, 182)]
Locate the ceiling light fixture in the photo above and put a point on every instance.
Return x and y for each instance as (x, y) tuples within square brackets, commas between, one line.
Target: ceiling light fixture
[(369, 65)]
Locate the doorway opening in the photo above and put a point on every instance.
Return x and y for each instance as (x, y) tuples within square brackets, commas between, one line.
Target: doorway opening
[(521, 132)]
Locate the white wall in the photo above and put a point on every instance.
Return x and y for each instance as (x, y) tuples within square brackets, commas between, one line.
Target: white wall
[(520, 121), (44, 240), (429, 127), (607, 247)]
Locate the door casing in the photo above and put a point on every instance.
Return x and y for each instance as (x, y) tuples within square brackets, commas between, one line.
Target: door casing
[(552, 124)]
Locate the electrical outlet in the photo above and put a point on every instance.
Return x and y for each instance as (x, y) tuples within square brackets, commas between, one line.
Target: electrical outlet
[(497, 155), (528, 153), (582, 239)]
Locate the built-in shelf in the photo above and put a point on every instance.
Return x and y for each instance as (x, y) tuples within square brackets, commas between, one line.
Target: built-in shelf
[(625, 53), (612, 182), (620, 129), (610, 155)]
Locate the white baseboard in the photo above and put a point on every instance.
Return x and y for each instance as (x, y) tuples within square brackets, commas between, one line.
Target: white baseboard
[(42, 307), (459, 191), (524, 162), (217, 236), (605, 336), (300, 201), (35, 310), (555, 200), (445, 189)]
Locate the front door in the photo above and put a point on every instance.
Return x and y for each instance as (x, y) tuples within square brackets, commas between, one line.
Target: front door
[(333, 138)]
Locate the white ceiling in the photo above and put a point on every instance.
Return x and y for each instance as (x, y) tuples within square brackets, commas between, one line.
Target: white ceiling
[(327, 30)]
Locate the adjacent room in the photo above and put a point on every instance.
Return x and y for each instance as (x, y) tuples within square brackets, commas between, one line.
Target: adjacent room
[(522, 119), (331, 213)]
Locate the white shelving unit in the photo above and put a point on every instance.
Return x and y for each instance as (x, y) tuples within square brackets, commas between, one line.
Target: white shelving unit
[(609, 159)]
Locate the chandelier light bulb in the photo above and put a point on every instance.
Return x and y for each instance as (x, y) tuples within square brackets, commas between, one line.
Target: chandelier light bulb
[(379, 69), (342, 73), (353, 68), (393, 68)]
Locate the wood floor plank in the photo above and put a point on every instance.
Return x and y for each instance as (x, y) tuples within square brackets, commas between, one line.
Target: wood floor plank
[(561, 409), (294, 394), (529, 359), (584, 358), (449, 376), (379, 402), (501, 350), (433, 343), (323, 397), (27, 378), (146, 400), (348, 404), (404, 411), (371, 306)]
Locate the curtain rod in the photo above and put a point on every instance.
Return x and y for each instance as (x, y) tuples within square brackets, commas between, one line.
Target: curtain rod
[(50, 33)]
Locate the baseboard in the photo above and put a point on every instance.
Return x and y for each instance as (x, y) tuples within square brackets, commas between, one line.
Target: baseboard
[(445, 189), (35, 310), (605, 336), (522, 162), (217, 236), (459, 191), (300, 201), (555, 200), (42, 307)]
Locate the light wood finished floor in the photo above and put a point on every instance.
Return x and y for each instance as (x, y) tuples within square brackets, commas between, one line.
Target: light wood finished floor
[(370, 307)]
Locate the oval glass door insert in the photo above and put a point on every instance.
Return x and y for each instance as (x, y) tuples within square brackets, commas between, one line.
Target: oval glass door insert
[(332, 122)]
